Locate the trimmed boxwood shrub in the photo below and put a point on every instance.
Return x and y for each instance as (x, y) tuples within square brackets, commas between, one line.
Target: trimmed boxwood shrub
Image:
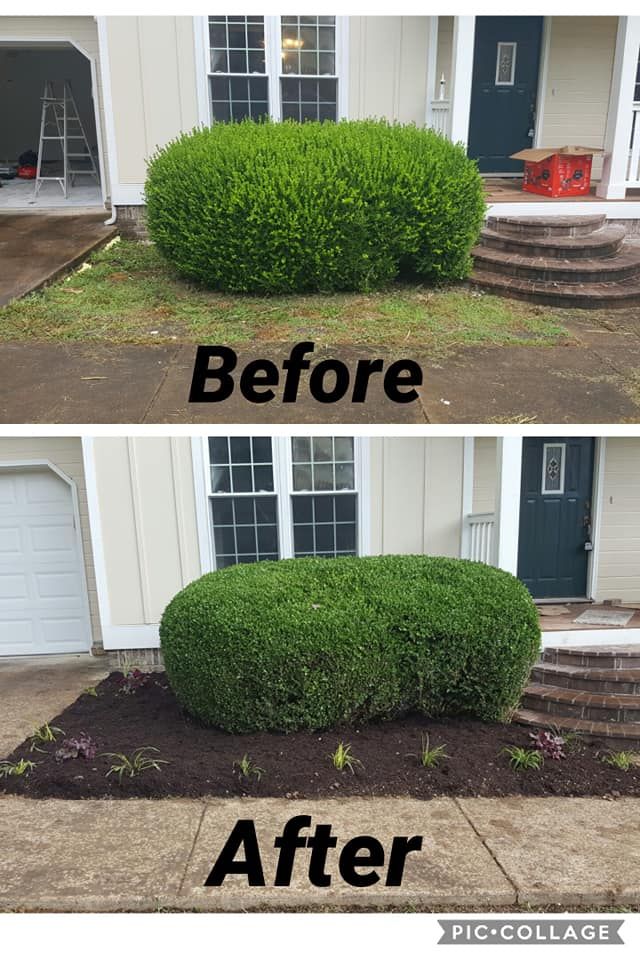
[(291, 207), (309, 643)]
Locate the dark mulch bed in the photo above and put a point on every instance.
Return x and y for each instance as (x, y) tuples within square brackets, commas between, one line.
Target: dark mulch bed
[(297, 765)]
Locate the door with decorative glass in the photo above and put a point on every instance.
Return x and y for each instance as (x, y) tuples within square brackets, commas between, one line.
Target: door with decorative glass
[(556, 516), (504, 91)]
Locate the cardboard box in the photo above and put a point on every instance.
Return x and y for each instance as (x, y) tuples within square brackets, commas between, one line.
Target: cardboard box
[(557, 171)]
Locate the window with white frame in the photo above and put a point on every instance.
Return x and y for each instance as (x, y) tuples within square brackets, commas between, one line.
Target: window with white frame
[(284, 67), (282, 497)]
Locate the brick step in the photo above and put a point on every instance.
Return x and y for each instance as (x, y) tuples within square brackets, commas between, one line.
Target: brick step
[(547, 227), (598, 296), (582, 704), (618, 736), (592, 679), (604, 658), (602, 243), (623, 265)]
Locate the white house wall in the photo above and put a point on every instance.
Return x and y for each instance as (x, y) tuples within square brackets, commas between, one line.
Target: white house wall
[(82, 31), (152, 66), (619, 555), (484, 475), (578, 82), (416, 495), (388, 68), (66, 454), (147, 525)]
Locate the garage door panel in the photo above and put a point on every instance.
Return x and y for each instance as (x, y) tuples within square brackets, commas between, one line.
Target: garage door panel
[(60, 633), (53, 542), (16, 636), (8, 490), (13, 586), (43, 603), (10, 543)]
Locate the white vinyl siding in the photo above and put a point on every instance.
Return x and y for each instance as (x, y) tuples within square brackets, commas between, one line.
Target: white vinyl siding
[(619, 555)]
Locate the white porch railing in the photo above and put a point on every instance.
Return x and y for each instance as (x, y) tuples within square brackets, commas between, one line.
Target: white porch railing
[(633, 171), (479, 538), (440, 116)]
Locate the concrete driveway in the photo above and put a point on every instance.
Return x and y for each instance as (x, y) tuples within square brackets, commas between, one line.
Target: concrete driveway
[(35, 248), (35, 689)]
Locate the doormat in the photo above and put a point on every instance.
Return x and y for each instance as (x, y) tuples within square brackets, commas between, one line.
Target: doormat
[(605, 617), (552, 609)]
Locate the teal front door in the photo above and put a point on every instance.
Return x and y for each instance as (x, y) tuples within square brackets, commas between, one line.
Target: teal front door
[(555, 516), (504, 89)]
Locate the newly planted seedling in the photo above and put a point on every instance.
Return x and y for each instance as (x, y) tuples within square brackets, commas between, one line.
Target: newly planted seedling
[(44, 734), (549, 743), (136, 764), (522, 759), (133, 680), (247, 768), (342, 758), (621, 759), (429, 756), (82, 746), (20, 769)]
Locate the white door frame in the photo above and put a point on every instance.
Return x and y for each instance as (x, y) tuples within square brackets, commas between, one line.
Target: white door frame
[(31, 41), (9, 466)]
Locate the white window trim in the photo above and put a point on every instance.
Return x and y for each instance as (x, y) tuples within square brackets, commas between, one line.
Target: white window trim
[(563, 460), (512, 79), (273, 74), (282, 475)]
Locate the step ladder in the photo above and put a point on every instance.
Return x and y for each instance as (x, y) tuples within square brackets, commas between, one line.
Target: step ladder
[(60, 123)]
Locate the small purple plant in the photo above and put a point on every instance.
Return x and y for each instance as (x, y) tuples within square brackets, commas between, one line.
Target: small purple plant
[(549, 744), (132, 680), (82, 746)]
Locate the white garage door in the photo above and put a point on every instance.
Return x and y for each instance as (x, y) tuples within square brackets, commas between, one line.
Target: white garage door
[(42, 593)]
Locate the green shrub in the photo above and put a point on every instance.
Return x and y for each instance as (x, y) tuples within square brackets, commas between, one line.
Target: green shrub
[(290, 207), (309, 643)]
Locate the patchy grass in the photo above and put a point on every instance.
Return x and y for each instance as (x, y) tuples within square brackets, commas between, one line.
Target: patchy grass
[(129, 294)]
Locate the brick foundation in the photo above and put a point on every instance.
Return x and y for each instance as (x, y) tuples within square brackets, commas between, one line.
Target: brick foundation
[(131, 222)]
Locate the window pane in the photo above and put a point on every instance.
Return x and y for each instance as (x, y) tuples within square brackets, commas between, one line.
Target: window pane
[(302, 477), (244, 540), (239, 87), (323, 476), (238, 61), (343, 447), (221, 112), (261, 448), (262, 478), (322, 448), (344, 476), (326, 63), (242, 479), (324, 525), (218, 450), (301, 449), (290, 111), (219, 61), (220, 480)]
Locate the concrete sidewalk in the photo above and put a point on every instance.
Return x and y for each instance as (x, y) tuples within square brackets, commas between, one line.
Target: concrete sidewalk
[(94, 855), (594, 379)]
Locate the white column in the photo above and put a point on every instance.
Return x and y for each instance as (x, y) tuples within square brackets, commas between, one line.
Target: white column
[(461, 76), (432, 63), (619, 117), (507, 522), (466, 505)]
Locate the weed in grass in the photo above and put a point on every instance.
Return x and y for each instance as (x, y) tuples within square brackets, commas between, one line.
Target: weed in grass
[(522, 759), (91, 692), (136, 764), (429, 756), (247, 768), (342, 758), (44, 734), (621, 759), (20, 769)]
